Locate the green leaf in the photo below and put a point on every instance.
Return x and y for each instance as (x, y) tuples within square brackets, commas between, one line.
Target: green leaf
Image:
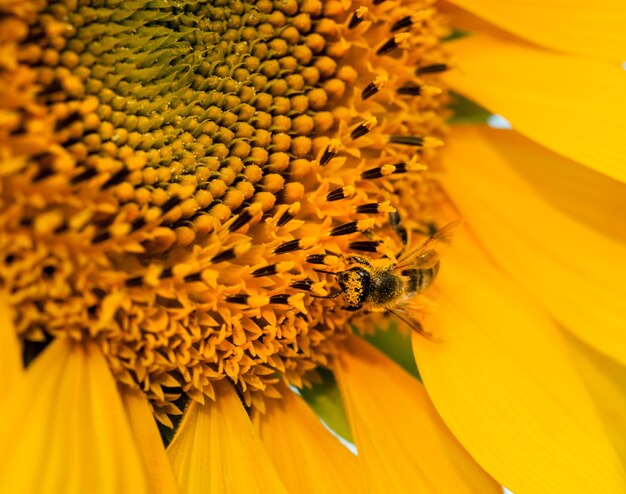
[(396, 345), (325, 399), (455, 34), (466, 111)]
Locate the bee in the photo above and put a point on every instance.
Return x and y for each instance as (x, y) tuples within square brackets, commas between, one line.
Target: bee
[(388, 288)]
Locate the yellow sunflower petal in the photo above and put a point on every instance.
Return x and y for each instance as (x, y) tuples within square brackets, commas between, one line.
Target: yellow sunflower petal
[(217, 450), (574, 106), (66, 431), (146, 433), (550, 222), (606, 382), (11, 368), (572, 26), (502, 381), (309, 458), (403, 444)]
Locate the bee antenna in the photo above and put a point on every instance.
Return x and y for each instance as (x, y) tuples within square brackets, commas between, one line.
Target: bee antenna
[(332, 295), (323, 271)]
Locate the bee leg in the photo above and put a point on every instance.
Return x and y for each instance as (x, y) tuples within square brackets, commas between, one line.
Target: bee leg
[(429, 229), (419, 329), (321, 259), (332, 295), (396, 223), (414, 325), (352, 308), (359, 260)]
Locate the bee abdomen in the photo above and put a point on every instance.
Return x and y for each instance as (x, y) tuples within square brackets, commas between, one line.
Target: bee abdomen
[(420, 279)]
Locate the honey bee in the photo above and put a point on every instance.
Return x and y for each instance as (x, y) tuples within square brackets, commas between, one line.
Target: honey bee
[(388, 288)]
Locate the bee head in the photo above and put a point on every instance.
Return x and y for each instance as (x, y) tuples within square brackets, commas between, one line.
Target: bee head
[(355, 283)]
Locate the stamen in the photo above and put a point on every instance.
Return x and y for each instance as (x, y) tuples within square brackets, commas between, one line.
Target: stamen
[(417, 90), (375, 208), (341, 193), (351, 227), (289, 214), (411, 90), (432, 69), (345, 229), (371, 208), (363, 128), (226, 255), (316, 258), (393, 43), (272, 269), (373, 87), (302, 285), (265, 271), (409, 20), (378, 172), (292, 245), (246, 216), (231, 253), (402, 23), (295, 301), (364, 245), (330, 152), (288, 247), (358, 17), (279, 299), (190, 278), (241, 220), (325, 259), (418, 141)]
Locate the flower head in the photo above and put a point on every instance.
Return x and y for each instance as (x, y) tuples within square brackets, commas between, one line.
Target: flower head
[(183, 186)]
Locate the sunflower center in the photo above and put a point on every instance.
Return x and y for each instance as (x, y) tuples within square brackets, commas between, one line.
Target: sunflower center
[(177, 174)]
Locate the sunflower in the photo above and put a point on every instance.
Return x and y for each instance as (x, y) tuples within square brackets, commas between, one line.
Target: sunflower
[(182, 184)]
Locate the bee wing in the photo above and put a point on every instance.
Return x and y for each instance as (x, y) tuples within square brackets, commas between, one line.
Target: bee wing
[(426, 254)]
